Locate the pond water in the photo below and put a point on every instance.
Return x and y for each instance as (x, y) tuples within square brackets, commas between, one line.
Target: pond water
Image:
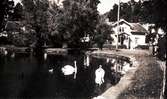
[(26, 76)]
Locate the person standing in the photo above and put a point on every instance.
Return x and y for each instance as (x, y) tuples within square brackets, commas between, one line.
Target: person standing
[(162, 47), (99, 80), (99, 75)]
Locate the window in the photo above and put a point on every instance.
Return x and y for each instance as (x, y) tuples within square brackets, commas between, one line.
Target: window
[(136, 40), (121, 29)]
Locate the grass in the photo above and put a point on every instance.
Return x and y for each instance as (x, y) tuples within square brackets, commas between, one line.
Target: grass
[(147, 81)]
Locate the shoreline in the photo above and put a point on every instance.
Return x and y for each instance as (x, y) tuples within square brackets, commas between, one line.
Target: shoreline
[(131, 86)]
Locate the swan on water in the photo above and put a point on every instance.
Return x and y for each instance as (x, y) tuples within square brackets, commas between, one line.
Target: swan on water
[(69, 70), (51, 70)]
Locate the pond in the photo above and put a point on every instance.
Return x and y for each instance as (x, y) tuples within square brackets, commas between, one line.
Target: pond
[(27, 76)]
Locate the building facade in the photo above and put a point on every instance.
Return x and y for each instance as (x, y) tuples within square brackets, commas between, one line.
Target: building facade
[(130, 35)]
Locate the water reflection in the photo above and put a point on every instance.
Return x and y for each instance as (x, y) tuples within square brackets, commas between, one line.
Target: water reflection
[(45, 56), (26, 76), (87, 60), (107, 60)]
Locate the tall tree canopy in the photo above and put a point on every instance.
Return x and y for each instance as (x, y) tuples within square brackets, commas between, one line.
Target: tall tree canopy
[(77, 18), (155, 10), (36, 17), (148, 11), (6, 9), (18, 12), (130, 11)]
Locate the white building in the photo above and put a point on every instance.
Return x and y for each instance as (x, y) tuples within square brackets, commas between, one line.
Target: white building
[(130, 34)]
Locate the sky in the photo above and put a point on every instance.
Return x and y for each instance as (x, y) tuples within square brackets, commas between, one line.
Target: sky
[(104, 6)]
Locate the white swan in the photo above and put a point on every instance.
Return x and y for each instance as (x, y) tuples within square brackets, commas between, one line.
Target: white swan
[(51, 70), (69, 70)]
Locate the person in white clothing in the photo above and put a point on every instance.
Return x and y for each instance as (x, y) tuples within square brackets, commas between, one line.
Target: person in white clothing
[(99, 75)]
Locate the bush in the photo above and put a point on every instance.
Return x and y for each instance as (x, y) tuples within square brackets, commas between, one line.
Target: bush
[(142, 47)]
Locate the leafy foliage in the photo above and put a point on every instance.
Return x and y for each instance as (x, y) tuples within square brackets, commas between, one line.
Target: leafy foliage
[(18, 12), (36, 16), (131, 11), (57, 25), (102, 34), (76, 19), (157, 10), (148, 11), (6, 9), (22, 38)]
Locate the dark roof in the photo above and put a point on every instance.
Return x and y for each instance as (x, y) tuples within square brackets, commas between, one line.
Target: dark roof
[(136, 27), (13, 26)]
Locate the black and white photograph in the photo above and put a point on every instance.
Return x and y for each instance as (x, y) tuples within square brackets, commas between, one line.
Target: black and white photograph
[(83, 49)]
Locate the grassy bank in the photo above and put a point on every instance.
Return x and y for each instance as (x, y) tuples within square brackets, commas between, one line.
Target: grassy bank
[(147, 81)]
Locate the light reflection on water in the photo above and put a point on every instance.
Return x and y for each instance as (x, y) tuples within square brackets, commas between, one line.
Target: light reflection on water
[(28, 76)]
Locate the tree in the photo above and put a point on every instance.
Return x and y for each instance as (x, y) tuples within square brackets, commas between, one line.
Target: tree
[(6, 9), (18, 12), (36, 16), (126, 11), (156, 9), (3, 5), (112, 14), (130, 11), (102, 33), (77, 18)]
